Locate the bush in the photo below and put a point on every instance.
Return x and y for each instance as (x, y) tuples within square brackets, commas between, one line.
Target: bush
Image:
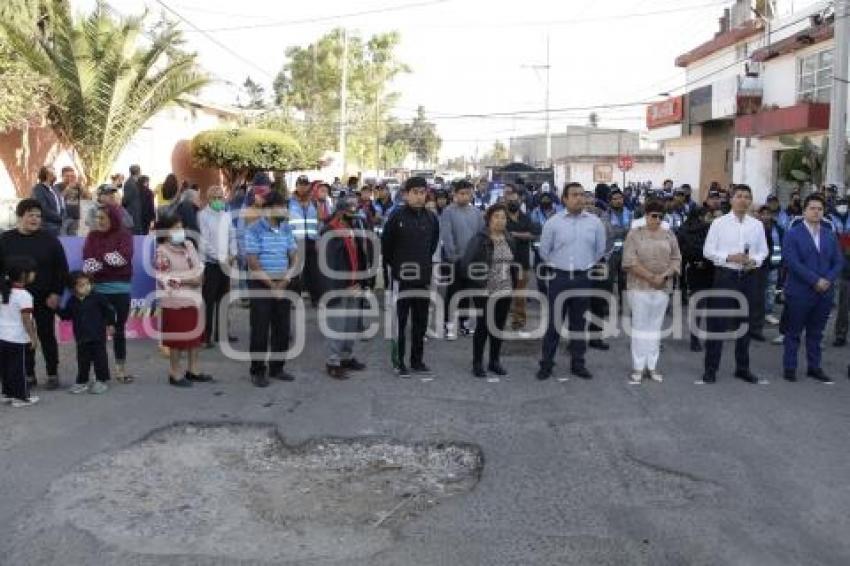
[(241, 150)]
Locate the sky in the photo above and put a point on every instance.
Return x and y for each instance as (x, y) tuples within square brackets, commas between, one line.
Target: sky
[(469, 56)]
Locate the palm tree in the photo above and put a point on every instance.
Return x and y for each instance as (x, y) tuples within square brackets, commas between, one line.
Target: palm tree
[(103, 83)]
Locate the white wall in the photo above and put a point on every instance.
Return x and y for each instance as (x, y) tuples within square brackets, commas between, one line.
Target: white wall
[(583, 173), (683, 158), (152, 146)]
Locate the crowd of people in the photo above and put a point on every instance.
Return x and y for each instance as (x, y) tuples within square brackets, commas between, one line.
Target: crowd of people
[(477, 255)]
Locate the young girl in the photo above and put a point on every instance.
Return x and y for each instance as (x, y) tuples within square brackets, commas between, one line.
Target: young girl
[(17, 331)]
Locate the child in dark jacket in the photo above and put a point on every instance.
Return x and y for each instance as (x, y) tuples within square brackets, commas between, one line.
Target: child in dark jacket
[(93, 319)]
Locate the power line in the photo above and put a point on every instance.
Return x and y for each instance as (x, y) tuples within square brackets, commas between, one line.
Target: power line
[(215, 41), (320, 19)]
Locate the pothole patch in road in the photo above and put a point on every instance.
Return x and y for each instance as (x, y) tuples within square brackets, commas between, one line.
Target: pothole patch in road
[(239, 491)]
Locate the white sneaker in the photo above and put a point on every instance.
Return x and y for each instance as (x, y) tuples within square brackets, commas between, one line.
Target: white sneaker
[(636, 377), (771, 320), (451, 331), (778, 340), (98, 388), (656, 376), (17, 403), (78, 388)]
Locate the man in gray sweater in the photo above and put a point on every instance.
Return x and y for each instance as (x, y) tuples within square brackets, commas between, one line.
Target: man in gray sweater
[(459, 222)]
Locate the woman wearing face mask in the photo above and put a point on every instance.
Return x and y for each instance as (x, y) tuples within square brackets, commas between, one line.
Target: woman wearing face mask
[(651, 258), (179, 274), (108, 260)]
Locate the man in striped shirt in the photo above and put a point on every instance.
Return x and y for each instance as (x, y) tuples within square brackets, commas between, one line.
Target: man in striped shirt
[(272, 255)]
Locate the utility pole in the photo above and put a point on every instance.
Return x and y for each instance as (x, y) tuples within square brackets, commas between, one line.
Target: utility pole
[(835, 162), (343, 95), (547, 67)]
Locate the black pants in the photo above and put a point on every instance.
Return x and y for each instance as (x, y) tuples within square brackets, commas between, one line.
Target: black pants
[(747, 285), (574, 308), (311, 274), (416, 309), (12, 369), (600, 306), (216, 286), (92, 354), (757, 306), (45, 322), (482, 331), (121, 304), (269, 321), (456, 285)]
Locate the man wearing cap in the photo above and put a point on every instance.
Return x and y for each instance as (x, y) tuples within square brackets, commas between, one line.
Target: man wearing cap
[(346, 263), (712, 200), (272, 257), (107, 195), (524, 231), (841, 222), (620, 219), (304, 220), (132, 199)]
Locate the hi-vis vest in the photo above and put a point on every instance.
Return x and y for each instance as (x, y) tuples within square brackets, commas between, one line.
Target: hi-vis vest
[(776, 252), (303, 221)]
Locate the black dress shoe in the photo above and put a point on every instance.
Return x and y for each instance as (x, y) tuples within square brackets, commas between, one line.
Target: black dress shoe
[(496, 367), (421, 369), (353, 364), (545, 373), (198, 378), (281, 375), (403, 372), (840, 342), (709, 377), (259, 380), (746, 375), (757, 337), (179, 382), (478, 371), (581, 371), (599, 345), (790, 375), (818, 375)]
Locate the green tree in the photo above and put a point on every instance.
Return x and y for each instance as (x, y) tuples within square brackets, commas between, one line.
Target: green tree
[(256, 95), (298, 130), (243, 151), (420, 135), (310, 81), (22, 92), (103, 83)]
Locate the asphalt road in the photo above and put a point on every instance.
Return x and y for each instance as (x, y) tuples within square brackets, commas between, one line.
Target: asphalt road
[(575, 472)]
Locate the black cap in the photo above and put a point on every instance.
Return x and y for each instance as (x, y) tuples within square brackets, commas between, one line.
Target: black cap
[(302, 180), (713, 194), (106, 189), (772, 198)]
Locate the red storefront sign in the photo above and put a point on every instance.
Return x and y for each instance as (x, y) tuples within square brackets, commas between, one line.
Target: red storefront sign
[(664, 113), (626, 163)]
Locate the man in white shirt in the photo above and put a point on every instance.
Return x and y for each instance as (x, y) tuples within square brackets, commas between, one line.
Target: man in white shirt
[(218, 249), (736, 245)]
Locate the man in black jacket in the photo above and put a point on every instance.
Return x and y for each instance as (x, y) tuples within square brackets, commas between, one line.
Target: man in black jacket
[(29, 240), (409, 241), (132, 200), (344, 269), (52, 204)]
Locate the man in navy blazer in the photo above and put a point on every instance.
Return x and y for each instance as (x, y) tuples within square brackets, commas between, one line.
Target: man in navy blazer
[(52, 204), (814, 260)]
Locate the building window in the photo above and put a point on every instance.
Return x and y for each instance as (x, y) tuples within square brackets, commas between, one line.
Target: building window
[(814, 77)]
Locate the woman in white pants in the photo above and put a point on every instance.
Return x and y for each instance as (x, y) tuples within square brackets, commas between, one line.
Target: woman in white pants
[(651, 257)]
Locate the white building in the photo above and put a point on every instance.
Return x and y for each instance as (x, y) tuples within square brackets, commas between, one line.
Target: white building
[(758, 79)]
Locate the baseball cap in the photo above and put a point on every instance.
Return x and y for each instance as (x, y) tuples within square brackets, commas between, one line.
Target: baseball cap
[(261, 180), (106, 189), (713, 194), (302, 180)]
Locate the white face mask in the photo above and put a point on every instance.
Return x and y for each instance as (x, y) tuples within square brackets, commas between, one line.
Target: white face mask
[(178, 236), (841, 209)]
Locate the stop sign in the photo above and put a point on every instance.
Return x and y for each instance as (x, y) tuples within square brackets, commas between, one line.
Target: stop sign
[(626, 162)]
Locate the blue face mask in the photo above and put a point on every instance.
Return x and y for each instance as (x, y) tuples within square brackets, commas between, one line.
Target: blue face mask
[(178, 237)]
